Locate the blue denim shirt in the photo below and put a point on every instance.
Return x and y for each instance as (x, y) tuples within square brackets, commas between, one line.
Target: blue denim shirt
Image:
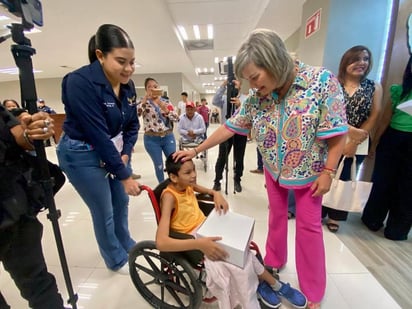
[(95, 115)]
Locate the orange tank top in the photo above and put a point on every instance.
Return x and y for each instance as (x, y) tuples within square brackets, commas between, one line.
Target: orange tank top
[(187, 215)]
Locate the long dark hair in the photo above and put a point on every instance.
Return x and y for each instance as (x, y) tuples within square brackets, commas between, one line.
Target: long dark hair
[(11, 100), (407, 79), (106, 38), (351, 56), (147, 80)]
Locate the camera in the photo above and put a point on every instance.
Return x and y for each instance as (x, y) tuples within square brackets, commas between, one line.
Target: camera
[(29, 10)]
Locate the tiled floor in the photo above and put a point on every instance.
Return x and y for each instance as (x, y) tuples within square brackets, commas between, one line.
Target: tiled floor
[(349, 283)]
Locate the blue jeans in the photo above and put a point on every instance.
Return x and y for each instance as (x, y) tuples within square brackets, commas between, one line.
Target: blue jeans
[(105, 197), (154, 146)]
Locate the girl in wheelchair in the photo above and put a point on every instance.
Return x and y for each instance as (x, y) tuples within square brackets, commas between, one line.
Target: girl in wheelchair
[(181, 213)]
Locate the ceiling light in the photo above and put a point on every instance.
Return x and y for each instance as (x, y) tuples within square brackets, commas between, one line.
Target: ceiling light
[(15, 71), (216, 59), (210, 32), (196, 32), (183, 32)]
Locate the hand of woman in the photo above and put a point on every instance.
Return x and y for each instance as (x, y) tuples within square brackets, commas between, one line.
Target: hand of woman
[(211, 249), (39, 126), (358, 135), (350, 149), (131, 186), (184, 155), (321, 185), (125, 159)]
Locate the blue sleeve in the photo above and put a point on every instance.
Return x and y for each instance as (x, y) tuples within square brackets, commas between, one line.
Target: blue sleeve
[(130, 131), (132, 125), (85, 112), (219, 98)]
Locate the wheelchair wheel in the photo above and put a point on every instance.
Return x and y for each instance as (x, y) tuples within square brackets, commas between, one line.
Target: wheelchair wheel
[(165, 280)]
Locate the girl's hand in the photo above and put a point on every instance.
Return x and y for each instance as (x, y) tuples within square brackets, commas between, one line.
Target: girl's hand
[(131, 186), (321, 185), (211, 249), (125, 159)]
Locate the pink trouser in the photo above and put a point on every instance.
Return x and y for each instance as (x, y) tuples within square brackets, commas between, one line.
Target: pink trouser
[(309, 250)]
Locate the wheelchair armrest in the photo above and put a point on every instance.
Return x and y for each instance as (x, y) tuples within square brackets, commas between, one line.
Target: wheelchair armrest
[(178, 235)]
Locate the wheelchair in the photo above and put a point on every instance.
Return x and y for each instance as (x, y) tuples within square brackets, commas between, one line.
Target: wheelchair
[(171, 280), (191, 145)]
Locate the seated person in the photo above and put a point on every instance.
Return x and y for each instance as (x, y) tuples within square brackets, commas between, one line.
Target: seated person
[(191, 125), (181, 213)]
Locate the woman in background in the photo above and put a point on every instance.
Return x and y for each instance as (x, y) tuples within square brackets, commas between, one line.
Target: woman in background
[(99, 133), (10, 104), (363, 98), (392, 175), (157, 122)]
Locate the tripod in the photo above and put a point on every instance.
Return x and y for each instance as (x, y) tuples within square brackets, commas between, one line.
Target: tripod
[(231, 92), (22, 53)]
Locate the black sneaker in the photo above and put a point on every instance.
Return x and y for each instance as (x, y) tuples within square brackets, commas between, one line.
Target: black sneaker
[(238, 187), (217, 186)]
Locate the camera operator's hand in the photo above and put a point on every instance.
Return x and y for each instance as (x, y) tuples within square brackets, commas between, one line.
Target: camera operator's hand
[(235, 101), (236, 83), (39, 126)]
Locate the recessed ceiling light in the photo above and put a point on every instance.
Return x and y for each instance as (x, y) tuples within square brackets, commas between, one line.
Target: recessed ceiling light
[(196, 32), (210, 32), (183, 32), (15, 71)]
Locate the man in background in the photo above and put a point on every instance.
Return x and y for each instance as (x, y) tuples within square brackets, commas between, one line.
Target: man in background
[(42, 107), (204, 111), (181, 106), (191, 125), (238, 141)]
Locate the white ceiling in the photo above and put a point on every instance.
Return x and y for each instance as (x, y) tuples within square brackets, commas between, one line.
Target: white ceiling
[(152, 25)]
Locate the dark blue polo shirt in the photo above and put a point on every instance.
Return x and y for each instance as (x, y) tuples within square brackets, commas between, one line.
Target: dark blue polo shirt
[(94, 114)]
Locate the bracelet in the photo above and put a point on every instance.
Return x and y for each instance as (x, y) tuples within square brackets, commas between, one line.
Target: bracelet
[(333, 170), (330, 173), (27, 139)]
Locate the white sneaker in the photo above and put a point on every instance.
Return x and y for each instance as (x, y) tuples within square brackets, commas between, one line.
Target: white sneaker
[(124, 270)]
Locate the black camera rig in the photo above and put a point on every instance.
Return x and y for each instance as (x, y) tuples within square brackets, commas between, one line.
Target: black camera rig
[(30, 11)]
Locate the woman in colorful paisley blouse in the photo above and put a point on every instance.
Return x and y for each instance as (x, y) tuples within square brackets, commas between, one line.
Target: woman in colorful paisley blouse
[(363, 98), (299, 117)]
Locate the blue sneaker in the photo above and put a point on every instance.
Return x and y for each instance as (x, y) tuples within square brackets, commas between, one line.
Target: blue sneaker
[(267, 295), (295, 297)]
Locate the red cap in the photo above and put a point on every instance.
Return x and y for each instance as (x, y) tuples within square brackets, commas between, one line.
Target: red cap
[(190, 104)]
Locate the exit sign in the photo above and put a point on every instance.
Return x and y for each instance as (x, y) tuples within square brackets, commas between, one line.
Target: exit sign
[(312, 24)]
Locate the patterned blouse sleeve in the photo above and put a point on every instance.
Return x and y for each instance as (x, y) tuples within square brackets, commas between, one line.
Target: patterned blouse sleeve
[(332, 108), (241, 121)]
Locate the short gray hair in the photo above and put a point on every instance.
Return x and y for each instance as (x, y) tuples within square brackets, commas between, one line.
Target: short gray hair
[(266, 50)]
